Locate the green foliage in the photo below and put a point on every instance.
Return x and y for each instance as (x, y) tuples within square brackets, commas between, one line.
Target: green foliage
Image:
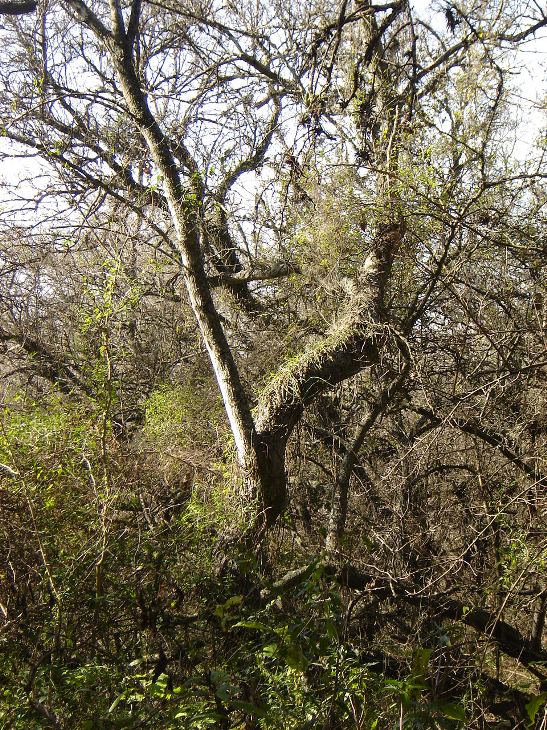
[(535, 704), (175, 415), (129, 657)]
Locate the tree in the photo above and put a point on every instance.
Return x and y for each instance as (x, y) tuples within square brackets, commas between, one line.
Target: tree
[(390, 90), (332, 188)]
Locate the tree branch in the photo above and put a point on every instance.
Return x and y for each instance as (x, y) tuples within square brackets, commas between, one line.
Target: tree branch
[(15, 8), (84, 14), (339, 506), (47, 365), (482, 620), (500, 441), (351, 346)]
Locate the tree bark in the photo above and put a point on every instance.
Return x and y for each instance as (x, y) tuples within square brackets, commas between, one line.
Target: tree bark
[(183, 206)]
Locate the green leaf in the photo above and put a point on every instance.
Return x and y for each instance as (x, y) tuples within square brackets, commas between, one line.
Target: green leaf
[(271, 650), (222, 608), (532, 707), (420, 661), (224, 691), (295, 658), (331, 629), (116, 702), (233, 601), (451, 710), (251, 625)]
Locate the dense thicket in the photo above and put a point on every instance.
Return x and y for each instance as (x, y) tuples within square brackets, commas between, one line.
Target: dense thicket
[(273, 359)]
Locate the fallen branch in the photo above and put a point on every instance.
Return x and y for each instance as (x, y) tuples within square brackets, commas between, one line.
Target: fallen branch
[(482, 620)]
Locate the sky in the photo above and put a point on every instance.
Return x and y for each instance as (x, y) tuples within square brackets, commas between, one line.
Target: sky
[(529, 96)]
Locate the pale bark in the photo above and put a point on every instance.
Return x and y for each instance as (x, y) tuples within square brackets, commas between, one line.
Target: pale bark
[(182, 207)]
